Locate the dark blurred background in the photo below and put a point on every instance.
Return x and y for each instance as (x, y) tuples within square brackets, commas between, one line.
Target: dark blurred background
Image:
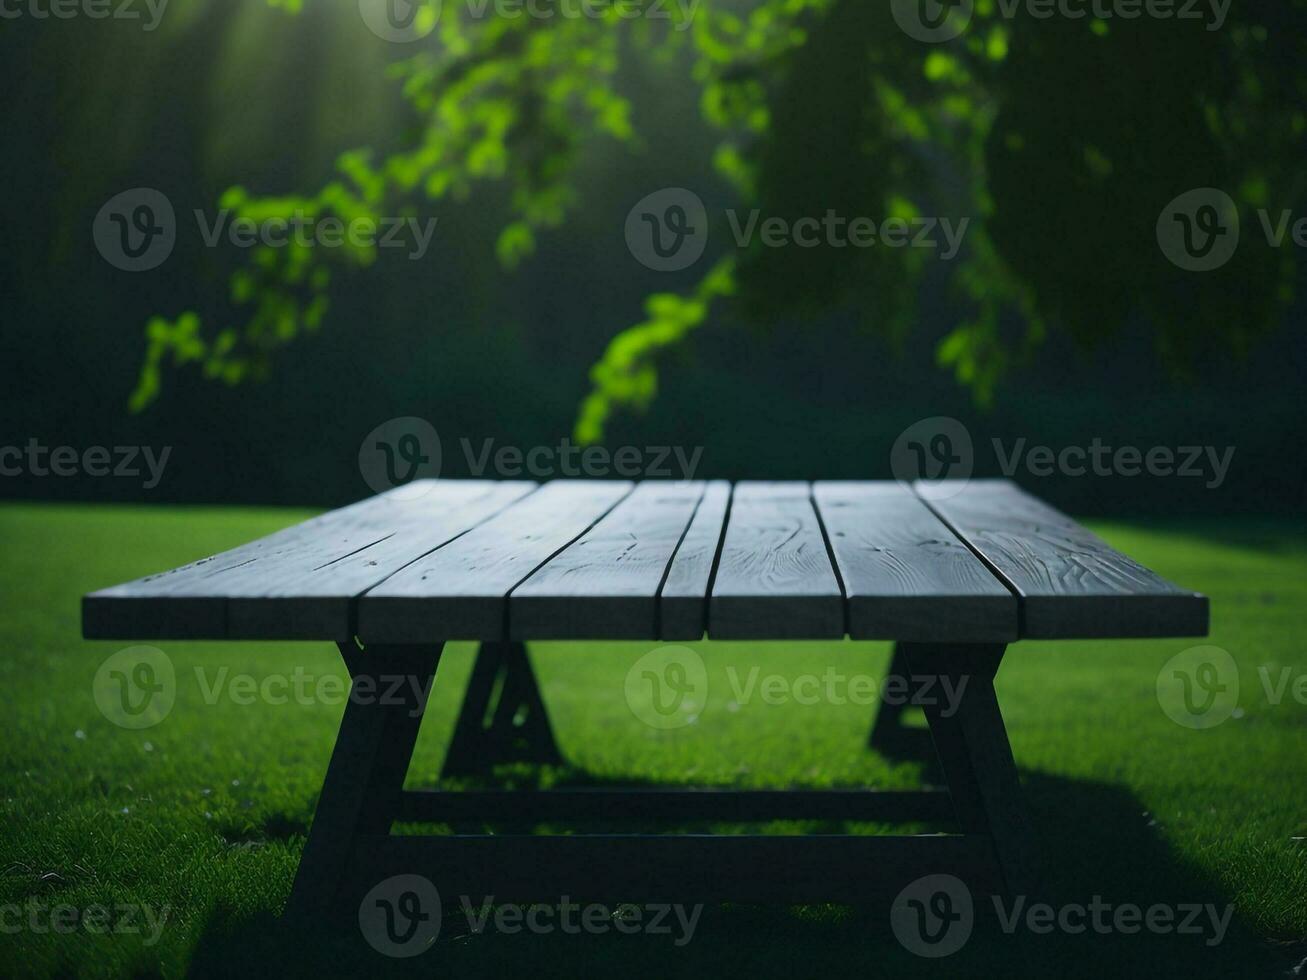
[(239, 93)]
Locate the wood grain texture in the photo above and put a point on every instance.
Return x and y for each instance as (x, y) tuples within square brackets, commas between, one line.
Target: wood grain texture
[(906, 575), (461, 591), (683, 602), (481, 559), (300, 582), (774, 577), (1071, 584), (604, 585)]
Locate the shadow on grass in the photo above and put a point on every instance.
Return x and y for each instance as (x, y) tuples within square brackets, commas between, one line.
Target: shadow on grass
[(1095, 839)]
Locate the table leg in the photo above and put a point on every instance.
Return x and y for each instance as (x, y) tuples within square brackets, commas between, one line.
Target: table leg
[(514, 727), (363, 795), (361, 792), (974, 753), (886, 728)]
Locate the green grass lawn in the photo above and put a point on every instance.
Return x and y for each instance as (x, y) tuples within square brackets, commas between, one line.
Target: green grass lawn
[(204, 815)]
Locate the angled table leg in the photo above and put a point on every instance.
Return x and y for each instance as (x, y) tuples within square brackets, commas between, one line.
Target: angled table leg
[(361, 792), (503, 718), (886, 729), (975, 756)]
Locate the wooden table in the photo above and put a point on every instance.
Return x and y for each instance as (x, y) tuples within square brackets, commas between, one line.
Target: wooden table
[(952, 572)]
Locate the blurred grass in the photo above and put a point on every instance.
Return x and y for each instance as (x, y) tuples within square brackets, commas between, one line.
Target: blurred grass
[(204, 814)]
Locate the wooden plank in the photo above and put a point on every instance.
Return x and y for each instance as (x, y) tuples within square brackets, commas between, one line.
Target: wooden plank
[(1071, 584), (461, 591), (906, 575), (683, 602), (165, 604), (300, 582), (774, 577), (528, 807), (604, 585), (677, 867), (293, 601)]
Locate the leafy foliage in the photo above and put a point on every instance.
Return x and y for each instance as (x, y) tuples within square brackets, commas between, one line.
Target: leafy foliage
[(1059, 139)]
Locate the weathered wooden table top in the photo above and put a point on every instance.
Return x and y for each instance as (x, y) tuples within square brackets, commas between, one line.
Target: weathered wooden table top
[(980, 562)]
